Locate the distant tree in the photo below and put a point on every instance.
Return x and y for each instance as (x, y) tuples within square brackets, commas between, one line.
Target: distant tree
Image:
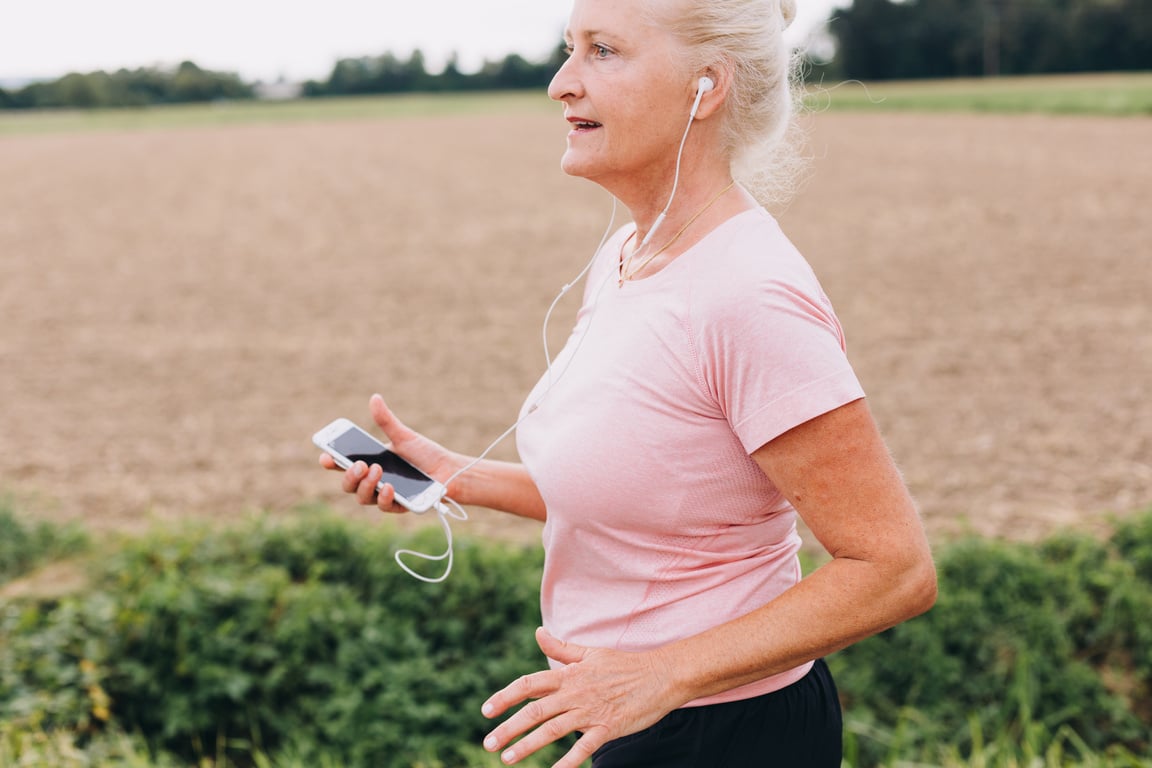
[(348, 76), (387, 74), (141, 87), (871, 39), (82, 91), (451, 78), (36, 95), (190, 83), (1135, 49), (416, 73), (516, 72), (557, 58), (380, 74)]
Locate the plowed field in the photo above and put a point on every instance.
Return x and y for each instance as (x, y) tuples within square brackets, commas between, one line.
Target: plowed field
[(183, 308)]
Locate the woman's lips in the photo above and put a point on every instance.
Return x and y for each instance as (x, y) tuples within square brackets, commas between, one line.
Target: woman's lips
[(582, 124)]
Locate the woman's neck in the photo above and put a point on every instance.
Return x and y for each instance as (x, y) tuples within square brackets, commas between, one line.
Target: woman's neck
[(660, 191)]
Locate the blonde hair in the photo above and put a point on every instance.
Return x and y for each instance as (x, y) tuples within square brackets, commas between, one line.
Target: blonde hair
[(745, 38)]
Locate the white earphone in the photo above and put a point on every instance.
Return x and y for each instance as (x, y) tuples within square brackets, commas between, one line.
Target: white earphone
[(703, 85)]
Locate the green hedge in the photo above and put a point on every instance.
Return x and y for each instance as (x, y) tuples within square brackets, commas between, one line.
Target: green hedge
[(1058, 634), (305, 638), (305, 641)]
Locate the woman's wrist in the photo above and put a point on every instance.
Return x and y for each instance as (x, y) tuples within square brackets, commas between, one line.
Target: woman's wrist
[(499, 485), (675, 673)]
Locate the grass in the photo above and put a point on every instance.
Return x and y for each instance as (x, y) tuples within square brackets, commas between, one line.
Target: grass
[(1031, 745), (1128, 94), (249, 112), (1090, 94), (1036, 748)]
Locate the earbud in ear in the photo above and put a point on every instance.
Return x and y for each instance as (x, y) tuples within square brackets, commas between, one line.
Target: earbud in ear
[(703, 85)]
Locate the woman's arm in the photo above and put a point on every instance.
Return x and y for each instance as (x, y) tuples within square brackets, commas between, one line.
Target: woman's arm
[(499, 485), (839, 476)]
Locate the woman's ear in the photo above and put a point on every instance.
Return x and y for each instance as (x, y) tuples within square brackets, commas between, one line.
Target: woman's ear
[(713, 98)]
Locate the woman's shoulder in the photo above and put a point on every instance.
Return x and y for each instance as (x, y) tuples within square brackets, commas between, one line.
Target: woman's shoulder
[(748, 254), (757, 289)]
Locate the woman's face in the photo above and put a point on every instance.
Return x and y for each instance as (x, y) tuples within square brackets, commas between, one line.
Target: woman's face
[(625, 93)]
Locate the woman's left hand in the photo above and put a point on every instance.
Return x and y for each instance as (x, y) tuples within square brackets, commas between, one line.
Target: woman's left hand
[(602, 693)]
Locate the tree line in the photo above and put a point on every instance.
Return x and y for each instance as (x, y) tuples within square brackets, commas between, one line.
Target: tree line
[(389, 74), (358, 76), (129, 88), (882, 39), (874, 40)]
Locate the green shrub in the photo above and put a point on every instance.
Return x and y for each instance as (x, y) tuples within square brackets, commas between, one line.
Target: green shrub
[(313, 632), (23, 546), (305, 636), (1056, 635), (50, 652), (21, 747)]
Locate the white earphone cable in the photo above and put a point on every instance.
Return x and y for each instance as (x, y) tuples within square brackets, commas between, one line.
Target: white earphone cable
[(457, 512), (700, 91), (547, 355), (443, 513)]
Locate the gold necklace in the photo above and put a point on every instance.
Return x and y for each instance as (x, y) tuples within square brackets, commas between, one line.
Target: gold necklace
[(627, 274)]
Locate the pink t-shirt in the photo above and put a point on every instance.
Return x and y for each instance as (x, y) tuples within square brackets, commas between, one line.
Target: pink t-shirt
[(660, 525)]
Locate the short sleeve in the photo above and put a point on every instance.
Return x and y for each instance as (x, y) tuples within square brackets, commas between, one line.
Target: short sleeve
[(771, 350)]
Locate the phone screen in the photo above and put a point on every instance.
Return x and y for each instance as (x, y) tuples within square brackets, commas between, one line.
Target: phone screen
[(356, 445)]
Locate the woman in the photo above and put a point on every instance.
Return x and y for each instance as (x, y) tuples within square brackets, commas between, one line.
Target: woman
[(702, 402)]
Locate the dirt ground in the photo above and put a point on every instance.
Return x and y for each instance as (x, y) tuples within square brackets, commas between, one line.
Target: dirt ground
[(181, 309)]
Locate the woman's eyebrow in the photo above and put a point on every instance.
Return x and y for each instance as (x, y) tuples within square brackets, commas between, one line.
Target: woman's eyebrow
[(586, 34)]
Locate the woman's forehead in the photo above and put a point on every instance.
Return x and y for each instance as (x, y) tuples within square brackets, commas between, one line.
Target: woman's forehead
[(618, 17)]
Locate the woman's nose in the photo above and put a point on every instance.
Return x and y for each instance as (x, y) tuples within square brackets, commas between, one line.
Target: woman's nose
[(565, 83)]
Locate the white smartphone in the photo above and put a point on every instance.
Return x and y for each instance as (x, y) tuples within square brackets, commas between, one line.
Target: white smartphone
[(347, 443)]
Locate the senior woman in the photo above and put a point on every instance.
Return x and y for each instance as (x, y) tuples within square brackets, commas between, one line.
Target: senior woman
[(703, 401)]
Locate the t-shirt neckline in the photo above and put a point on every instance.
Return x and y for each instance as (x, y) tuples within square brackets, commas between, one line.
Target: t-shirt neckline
[(655, 280)]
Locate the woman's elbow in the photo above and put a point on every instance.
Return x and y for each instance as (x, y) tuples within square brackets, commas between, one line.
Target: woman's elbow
[(919, 587)]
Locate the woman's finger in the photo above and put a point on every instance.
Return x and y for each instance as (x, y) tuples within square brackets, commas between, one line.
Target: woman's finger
[(366, 489), (386, 420), (582, 750), (352, 477), (386, 500), (558, 650), (548, 732), (526, 687)]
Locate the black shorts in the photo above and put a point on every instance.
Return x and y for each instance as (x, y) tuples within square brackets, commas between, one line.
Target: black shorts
[(795, 727)]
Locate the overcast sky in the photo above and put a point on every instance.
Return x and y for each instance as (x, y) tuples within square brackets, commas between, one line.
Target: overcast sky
[(264, 39)]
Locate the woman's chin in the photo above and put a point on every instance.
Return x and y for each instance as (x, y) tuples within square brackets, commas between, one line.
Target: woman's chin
[(575, 165)]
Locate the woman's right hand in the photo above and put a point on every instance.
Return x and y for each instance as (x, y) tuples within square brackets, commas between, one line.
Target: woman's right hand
[(429, 456)]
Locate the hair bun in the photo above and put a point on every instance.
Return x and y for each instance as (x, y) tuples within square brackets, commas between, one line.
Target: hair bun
[(788, 11)]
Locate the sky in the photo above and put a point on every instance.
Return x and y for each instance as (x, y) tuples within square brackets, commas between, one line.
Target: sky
[(294, 39)]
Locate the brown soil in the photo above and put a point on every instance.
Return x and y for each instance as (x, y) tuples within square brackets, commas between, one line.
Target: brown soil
[(183, 308)]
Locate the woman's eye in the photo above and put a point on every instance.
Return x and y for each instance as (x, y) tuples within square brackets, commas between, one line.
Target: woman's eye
[(600, 51)]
